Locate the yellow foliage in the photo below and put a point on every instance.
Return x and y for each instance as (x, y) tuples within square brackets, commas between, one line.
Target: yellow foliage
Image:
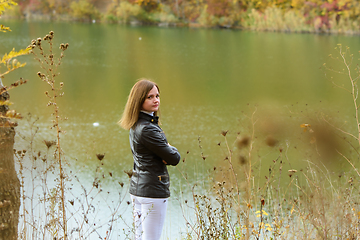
[(262, 212), (7, 103), (297, 3), (305, 126), (13, 114), (6, 4), (15, 64), (4, 29)]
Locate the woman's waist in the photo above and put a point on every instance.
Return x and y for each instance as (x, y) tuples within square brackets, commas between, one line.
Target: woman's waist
[(159, 175)]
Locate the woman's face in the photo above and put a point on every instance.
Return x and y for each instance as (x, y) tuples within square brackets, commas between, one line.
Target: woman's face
[(152, 101)]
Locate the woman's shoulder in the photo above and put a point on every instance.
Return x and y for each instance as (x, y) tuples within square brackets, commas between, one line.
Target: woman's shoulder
[(143, 125)]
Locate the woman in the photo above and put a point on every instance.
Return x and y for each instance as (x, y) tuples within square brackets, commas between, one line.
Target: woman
[(149, 184)]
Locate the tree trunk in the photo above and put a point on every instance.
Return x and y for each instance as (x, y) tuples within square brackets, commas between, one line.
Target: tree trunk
[(9, 182)]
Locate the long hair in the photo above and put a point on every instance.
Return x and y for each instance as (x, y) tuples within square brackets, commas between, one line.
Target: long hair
[(136, 98)]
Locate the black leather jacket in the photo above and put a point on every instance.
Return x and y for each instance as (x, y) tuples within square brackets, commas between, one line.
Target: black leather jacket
[(149, 147)]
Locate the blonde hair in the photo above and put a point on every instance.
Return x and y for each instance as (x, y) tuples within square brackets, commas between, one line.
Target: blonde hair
[(135, 101)]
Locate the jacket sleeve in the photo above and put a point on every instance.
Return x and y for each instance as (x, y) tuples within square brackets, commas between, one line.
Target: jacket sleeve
[(155, 141)]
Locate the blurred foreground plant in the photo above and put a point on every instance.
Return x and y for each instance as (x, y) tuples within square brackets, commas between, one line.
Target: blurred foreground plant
[(266, 196)]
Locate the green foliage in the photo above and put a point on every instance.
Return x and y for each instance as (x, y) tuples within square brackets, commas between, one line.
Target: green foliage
[(273, 19), (110, 18), (127, 12), (148, 5), (209, 20), (161, 17), (84, 10), (164, 15)]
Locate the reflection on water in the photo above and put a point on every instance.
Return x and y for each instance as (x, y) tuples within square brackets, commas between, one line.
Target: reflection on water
[(210, 80)]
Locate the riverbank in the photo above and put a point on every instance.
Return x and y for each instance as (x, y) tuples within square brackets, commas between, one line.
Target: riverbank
[(330, 17)]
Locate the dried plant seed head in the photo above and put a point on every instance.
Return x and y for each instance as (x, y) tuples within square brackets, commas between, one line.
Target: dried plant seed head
[(100, 156), (243, 142), (49, 144), (224, 132), (64, 46), (242, 160), (129, 173), (271, 141)]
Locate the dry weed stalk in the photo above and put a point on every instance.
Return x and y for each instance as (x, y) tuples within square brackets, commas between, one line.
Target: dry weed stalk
[(50, 65)]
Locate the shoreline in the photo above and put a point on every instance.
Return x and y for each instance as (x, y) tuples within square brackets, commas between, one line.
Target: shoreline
[(310, 17), (192, 25)]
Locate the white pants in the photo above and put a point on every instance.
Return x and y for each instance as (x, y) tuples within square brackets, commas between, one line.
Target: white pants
[(149, 217)]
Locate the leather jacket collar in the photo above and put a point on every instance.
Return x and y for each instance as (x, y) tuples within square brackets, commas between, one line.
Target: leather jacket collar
[(153, 119)]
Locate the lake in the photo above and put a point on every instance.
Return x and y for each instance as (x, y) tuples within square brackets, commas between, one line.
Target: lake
[(210, 80)]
